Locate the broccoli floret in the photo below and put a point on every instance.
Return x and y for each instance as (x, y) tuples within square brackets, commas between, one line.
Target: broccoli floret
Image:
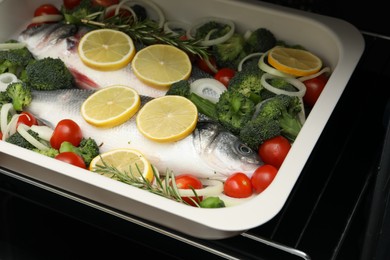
[(283, 109), (87, 149), (19, 140), (248, 81), (229, 53), (211, 30), (20, 94), (49, 74), (279, 83), (260, 40), (234, 110), (4, 98), (255, 132), (51, 152), (15, 60), (180, 88), (82, 10)]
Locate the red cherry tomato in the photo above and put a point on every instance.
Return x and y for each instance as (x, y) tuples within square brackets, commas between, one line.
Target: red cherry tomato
[(70, 4), (273, 151), (224, 75), (1, 136), (238, 185), (262, 177), (314, 88), (27, 119), (46, 9), (104, 3), (71, 158), (202, 64), (66, 130), (186, 181)]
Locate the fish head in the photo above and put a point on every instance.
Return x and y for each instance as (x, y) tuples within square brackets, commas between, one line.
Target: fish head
[(223, 151)]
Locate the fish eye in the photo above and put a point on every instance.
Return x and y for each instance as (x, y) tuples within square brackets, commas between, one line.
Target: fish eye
[(244, 149)]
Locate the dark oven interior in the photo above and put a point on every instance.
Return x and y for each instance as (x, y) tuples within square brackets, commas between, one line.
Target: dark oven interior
[(337, 210)]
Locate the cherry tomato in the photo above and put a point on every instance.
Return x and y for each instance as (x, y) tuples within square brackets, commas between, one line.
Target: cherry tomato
[(273, 151), (188, 181), (46, 9), (71, 158), (262, 177), (66, 130), (27, 119), (201, 63), (104, 3), (1, 136), (224, 75), (70, 4), (238, 185), (314, 88)]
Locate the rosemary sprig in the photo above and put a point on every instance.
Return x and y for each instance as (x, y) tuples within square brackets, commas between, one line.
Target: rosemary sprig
[(163, 187), (146, 31)]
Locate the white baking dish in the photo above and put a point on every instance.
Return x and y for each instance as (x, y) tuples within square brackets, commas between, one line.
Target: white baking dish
[(337, 42)]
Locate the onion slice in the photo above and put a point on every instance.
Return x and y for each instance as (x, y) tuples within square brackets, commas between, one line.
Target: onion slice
[(6, 109), (295, 82), (11, 127), (191, 31), (170, 26), (44, 132), (12, 45), (208, 88), (248, 57), (315, 75), (47, 18), (117, 7), (22, 130), (269, 69), (6, 79), (213, 188)]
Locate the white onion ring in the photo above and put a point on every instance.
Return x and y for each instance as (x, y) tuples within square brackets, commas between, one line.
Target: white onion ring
[(11, 127), (22, 130), (295, 82), (44, 132), (47, 18), (6, 109), (267, 68), (204, 20), (117, 7), (12, 45), (6, 79), (248, 57), (156, 9), (213, 188), (173, 23), (315, 75), (208, 88)]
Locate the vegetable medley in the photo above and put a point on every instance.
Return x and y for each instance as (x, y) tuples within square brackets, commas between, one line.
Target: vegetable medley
[(264, 105)]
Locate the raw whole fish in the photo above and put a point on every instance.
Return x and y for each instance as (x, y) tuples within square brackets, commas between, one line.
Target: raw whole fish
[(210, 151), (59, 40)]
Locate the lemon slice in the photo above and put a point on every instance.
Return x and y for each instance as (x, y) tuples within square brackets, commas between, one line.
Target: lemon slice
[(296, 62), (106, 49), (167, 118), (161, 65), (111, 106), (127, 161)]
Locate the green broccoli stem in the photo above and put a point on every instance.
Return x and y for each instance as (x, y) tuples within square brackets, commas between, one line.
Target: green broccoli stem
[(204, 106), (290, 125)]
